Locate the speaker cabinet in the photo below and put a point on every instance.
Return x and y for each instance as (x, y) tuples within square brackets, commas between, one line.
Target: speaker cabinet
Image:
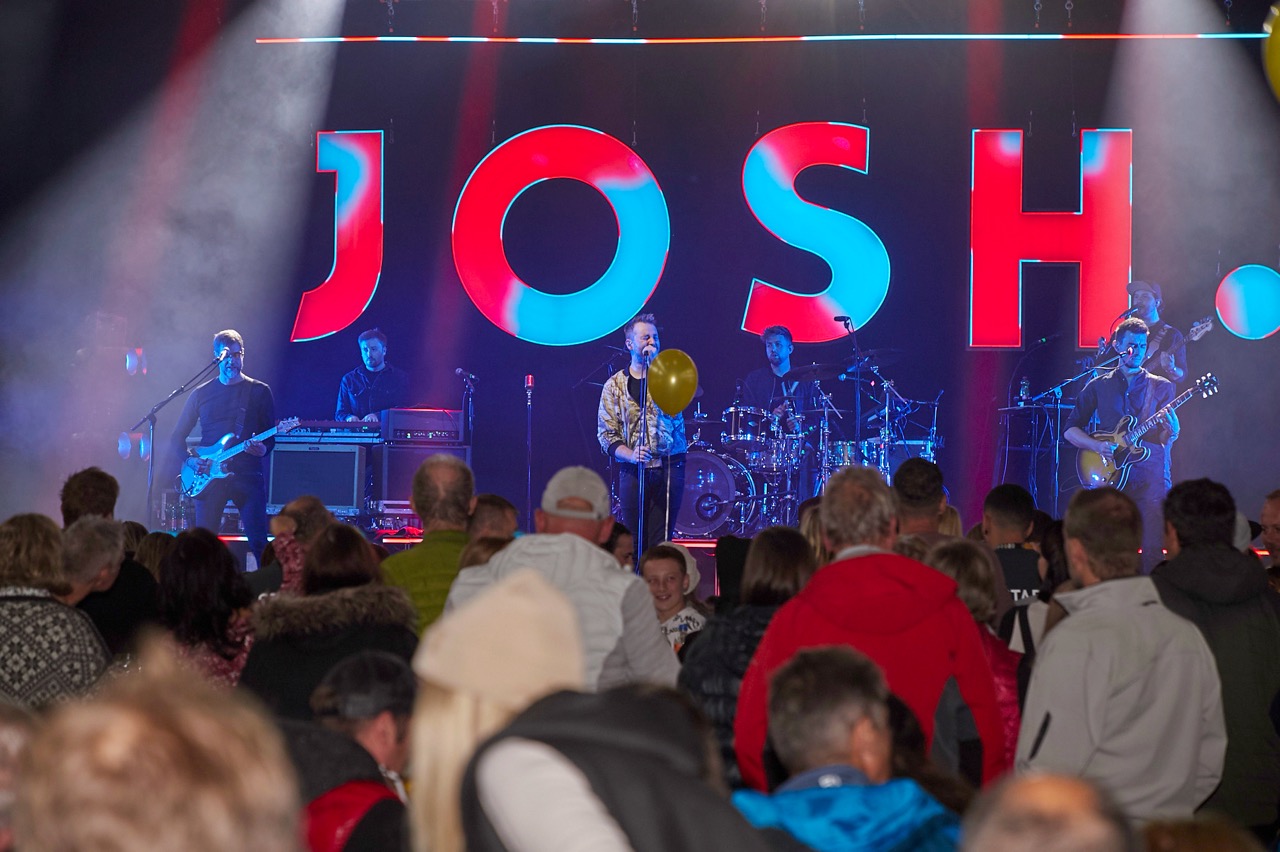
[(394, 466), (333, 472)]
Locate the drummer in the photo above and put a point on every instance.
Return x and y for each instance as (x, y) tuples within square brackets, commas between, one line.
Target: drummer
[(768, 390)]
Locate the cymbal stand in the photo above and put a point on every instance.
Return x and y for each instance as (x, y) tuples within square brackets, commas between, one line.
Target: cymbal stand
[(824, 436), (929, 453), (886, 426), (1056, 393)]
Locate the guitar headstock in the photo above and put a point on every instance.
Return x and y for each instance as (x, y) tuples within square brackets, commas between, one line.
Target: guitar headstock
[(286, 426), (1207, 385), (1200, 328)]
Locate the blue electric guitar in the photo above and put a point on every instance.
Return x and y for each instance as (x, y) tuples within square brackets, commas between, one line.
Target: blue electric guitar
[(208, 463)]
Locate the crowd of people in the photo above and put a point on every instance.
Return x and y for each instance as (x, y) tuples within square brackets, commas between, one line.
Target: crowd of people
[(867, 680)]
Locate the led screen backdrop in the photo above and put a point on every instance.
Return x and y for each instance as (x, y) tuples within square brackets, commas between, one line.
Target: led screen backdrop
[(974, 206)]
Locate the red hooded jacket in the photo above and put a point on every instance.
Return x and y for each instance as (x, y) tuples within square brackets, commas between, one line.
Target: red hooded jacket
[(903, 615)]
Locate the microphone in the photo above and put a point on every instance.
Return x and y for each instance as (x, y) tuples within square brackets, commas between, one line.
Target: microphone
[(842, 319), (222, 356), (1129, 313), (648, 352), (528, 382), (461, 373), (737, 392), (1042, 341)]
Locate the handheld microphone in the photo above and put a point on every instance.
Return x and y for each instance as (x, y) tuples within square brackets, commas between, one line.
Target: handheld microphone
[(842, 319), (464, 374)]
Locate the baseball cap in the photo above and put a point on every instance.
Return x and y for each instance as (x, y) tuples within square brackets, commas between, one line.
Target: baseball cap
[(582, 483), (1153, 289), (363, 685)]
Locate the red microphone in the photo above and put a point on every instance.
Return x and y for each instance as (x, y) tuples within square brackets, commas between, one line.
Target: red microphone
[(528, 382)]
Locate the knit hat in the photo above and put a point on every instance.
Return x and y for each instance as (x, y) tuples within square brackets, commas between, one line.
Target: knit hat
[(582, 483), (514, 642)]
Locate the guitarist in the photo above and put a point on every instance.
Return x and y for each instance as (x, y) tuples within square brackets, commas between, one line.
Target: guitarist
[(232, 404), (1129, 389), (1166, 346)]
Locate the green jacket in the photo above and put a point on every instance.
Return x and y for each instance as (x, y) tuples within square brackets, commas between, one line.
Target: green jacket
[(426, 571)]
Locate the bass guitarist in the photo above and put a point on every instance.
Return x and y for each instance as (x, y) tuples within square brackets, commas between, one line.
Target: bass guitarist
[(1129, 389), (240, 406)]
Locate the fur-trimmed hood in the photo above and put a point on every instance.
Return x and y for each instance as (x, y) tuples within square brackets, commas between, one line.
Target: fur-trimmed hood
[(287, 615)]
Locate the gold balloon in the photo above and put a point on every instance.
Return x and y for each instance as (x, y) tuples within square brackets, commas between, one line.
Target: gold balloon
[(1271, 48), (673, 380)]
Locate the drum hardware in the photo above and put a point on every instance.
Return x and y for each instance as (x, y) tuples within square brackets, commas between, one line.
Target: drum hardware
[(720, 496)]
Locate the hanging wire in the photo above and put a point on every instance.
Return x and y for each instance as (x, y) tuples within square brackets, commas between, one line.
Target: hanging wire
[(757, 122), (862, 14), (764, 14), (1031, 118), (1226, 7), (495, 15), (635, 15), (864, 111), (1038, 7), (493, 132), (391, 132), (391, 16), (1069, 6)]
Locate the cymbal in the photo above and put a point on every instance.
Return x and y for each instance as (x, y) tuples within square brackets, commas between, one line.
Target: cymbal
[(814, 372), (884, 357), (818, 411), (703, 421)]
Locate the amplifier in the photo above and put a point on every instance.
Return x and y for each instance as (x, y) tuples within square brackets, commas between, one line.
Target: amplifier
[(394, 466), (422, 425), (333, 472), (332, 432)]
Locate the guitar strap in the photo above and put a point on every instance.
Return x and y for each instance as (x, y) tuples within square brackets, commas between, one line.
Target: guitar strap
[(1154, 348), (243, 399)]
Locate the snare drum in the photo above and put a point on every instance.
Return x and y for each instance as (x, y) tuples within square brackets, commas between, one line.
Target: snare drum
[(746, 428), (782, 453), (719, 496), (843, 454)]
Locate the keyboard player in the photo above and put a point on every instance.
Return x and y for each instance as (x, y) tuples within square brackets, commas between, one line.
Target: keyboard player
[(375, 385)]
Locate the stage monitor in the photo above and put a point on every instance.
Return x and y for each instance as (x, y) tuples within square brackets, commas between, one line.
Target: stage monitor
[(333, 472)]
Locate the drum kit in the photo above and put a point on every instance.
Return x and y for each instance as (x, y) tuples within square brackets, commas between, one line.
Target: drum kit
[(767, 462)]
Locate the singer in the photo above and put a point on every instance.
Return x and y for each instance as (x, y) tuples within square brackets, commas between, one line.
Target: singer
[(375, 385), (634, 432), (240, 406), (1129, 389)]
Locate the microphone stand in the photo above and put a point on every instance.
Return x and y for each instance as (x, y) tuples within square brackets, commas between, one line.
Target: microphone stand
[(857, 385), (150, 420), (643, 442), (528, 443)]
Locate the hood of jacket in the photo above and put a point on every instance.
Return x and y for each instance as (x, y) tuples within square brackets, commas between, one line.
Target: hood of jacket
[(342, 609), (878, 592), (1214, 574)]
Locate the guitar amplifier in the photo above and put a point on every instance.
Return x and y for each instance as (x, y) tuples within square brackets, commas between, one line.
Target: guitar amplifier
[(422, 426), (395, 465), (333, 472)]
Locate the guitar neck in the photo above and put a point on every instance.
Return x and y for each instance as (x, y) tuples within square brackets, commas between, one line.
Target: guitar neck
[(1154, 420), (240, 447)]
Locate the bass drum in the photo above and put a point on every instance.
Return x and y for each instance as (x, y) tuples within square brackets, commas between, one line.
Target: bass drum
[(719, 496)]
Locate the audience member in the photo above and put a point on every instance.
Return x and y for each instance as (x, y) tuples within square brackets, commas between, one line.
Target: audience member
[(1047, 813), (158, 760), (967, 564), (671, 574), (829, 723), (902, 614), (1027, 623), (51, 650), (912, 546), (344, 608), (621, 638), (480, 550), (134, 532), (1207, 831), (204, 604), (922, 499), (17, 725), (1219, 589), (443, 497), (632, 768), (911, 760), (622, 544), (1008, 514), (480, 664), (92, 550), (294, 529), (951, 523), (349, 761), (122, 607), (152, 550), (1124, 692), (811, 529), (494, 516), (779, 563)]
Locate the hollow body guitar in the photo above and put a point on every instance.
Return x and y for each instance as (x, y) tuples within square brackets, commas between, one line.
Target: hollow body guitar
[(208, 463), (1097, 470)]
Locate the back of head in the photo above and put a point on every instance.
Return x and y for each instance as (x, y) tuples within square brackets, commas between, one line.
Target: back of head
[(480, 550), (1053, 549), (443, 486), (31, 553), (779, 563), (361, 687), (159, 759), (967, 564), (1108, 525), (918, 486), (88, 545), (152, 550), (816, 699), (1011, 508), (310, 517), (91, 491), (1204, 831), (340, 557), (1046, 813), (857, 508), (494, 515), (576, 500), (1202, 513), (201, 589), (480, 664)]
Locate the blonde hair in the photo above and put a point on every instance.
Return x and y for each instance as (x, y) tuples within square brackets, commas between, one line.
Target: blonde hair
[(967, 564), (447, 727), (31, 553), (158, 760), (951, 523), (811, 529)]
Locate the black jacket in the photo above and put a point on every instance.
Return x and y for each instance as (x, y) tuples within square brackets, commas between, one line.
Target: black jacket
[(297, 639), (1224, 592), (713, 670)]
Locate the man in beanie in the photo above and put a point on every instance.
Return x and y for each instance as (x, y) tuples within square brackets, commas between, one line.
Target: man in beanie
[(1166, 346), (621, 638), (350, 759)]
